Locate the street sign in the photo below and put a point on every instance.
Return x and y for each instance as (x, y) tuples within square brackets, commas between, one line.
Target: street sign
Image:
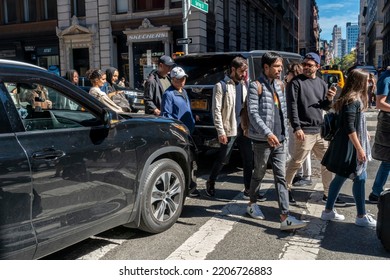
[(183, 41), (200, 5)]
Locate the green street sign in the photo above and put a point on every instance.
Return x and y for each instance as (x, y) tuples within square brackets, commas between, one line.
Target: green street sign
[(200, 5)]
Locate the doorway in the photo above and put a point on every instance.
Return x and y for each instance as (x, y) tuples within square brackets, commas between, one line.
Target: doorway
[(81, 60)]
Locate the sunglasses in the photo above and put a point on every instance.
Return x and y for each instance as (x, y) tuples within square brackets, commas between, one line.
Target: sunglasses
[(304, 64)]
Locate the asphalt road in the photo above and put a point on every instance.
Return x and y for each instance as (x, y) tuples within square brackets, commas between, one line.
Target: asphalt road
[(218, 228)]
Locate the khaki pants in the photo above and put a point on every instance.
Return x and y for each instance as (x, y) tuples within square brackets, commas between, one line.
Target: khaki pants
[(314, 143)]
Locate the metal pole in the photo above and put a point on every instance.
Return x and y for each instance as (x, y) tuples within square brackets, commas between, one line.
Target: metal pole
[(185, 27)]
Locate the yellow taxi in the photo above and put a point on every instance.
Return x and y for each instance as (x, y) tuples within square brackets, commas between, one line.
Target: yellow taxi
[(333, 76)]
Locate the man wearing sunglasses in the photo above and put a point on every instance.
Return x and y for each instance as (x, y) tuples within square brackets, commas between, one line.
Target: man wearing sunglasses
[(307, 97)]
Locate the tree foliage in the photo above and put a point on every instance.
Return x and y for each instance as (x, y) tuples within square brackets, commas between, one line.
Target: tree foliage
[(346, 61)]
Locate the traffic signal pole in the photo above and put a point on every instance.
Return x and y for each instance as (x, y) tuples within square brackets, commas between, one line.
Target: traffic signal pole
[(186, 12)]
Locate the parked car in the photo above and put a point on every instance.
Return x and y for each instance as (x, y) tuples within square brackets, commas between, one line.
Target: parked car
[(75, 168), (204, 71), (333, 76)]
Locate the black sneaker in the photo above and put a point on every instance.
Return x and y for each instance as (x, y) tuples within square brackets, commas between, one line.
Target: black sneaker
[(245, 195), (373, 198), (303, 182), (260, 197), (194, 193), (291, 198), (337, 203), (296, 179), (210, 188)]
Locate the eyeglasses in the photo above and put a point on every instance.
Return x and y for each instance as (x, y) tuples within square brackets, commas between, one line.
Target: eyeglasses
[(304, 64)]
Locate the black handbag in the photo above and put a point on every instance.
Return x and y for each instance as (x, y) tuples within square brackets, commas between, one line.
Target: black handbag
[(329, 127), (341, 156)]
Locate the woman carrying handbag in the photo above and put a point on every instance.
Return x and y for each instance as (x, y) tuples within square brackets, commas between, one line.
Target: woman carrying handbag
[(349, 151)]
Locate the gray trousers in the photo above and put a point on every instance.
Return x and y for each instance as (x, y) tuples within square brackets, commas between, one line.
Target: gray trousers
[(261, 152)]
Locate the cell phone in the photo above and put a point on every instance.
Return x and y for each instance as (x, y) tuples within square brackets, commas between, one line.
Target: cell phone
[(333, 85)]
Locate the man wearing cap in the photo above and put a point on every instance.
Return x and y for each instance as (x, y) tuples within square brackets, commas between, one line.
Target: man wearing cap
[(176, 105), (175, 102), (307, 97), (157, 83)]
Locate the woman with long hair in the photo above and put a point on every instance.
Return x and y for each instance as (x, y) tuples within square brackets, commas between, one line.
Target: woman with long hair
[(97, 78), (349, 151), (72, 76)]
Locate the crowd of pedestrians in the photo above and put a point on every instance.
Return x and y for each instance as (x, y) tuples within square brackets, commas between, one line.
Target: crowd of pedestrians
[(285, 116)]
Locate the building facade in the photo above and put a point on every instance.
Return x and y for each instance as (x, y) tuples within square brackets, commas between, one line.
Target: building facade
[(352, 30), (374, 37), (361, 46), (132, 34), (309, 29), (336, 39)]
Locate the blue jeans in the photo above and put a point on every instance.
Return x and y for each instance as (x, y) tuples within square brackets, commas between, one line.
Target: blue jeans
[(261, 152), (358, 190), (381, 178)]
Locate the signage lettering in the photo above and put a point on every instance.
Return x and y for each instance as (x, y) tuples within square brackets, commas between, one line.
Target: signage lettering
[(148, 36)]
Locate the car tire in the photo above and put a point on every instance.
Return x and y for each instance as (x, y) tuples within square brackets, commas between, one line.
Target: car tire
[(163, 196)]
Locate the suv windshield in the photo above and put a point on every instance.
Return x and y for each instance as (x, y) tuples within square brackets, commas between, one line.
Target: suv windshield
[(205, 70)]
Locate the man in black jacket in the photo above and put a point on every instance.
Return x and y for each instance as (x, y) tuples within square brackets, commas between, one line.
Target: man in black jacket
[(307, 97), (158, 81)]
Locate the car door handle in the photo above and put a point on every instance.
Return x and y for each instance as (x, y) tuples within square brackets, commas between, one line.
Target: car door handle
[(48, 154)]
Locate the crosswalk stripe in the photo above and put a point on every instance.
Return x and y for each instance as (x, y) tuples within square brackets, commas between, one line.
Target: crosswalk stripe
[(306, 244)]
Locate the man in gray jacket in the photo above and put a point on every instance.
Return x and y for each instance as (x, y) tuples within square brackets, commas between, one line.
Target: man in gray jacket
[(267, 112), (228, 97)]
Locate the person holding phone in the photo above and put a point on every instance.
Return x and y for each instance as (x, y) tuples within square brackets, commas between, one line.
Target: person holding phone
[(307, 98)]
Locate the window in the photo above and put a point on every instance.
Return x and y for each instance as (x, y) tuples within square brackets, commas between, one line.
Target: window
[(175, 4), (42, 108), (78, 8), (10, 11), (148, 5), (29, 11), (50, 9), (122, 6)]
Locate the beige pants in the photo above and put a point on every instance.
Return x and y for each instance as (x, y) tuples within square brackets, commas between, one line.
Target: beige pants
[(314, 143)]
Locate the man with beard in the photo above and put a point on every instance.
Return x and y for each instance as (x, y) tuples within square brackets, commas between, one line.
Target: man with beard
[(307, 97), (228, 97)]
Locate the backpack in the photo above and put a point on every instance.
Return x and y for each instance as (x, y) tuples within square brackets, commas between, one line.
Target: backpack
[(244, 116), (329, 127)]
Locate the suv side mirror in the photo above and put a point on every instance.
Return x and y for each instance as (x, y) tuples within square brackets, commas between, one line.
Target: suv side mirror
[(110, 118)]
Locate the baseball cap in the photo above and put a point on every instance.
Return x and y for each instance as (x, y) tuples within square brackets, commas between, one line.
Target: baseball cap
[(167, 60), (313, 56), (178, 73)]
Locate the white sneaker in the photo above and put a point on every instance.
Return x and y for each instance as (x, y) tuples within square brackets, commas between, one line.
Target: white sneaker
[(254, 211), (292, 223), (332, 216), (365, 221)]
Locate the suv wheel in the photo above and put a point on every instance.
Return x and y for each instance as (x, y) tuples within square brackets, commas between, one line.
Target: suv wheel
[(164, 192)]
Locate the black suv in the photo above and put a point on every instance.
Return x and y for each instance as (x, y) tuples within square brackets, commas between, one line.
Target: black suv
[(204, 71), (71, 168)]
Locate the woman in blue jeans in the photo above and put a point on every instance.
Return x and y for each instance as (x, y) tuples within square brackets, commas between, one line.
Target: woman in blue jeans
[(352, 131)]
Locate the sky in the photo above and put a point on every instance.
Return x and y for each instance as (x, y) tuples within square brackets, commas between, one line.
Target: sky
[(332, 12)]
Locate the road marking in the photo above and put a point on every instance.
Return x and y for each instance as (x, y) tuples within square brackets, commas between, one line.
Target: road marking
[(306, 245), (204, 241)]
